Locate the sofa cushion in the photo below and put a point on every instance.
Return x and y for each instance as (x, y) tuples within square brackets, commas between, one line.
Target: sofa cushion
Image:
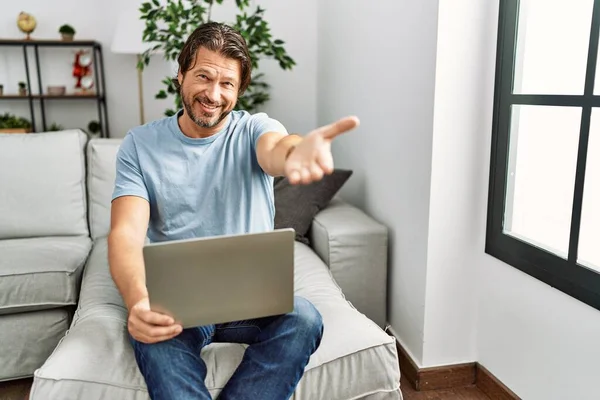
[(101, 159), (28, 339), (356, 358), (355, 247), (43, 185), (41, 273), (297, 205)]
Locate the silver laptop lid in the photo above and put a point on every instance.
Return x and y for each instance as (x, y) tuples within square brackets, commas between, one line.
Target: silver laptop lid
[(221, 279)]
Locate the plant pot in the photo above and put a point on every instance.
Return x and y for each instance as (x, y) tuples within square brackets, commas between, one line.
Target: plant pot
[(15, 130), (22, 92), (67, 37), (1, 90)]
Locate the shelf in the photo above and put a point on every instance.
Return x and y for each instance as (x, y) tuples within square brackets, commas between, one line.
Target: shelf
[(47, 42), (39, 102), (49, 96)]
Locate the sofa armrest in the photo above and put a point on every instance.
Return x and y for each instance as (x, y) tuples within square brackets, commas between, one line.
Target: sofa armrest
[(354, 246)]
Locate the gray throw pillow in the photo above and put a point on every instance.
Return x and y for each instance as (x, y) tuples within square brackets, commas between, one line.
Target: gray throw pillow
[(297, 205)]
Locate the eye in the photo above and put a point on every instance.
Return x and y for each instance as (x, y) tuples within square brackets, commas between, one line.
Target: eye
[(202, 76), (228, 84)]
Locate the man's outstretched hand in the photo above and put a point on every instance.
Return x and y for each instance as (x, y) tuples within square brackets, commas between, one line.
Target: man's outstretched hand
[(311, 158)]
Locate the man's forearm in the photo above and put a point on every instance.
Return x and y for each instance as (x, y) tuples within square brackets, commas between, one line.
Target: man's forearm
[(280, 152), (126, 262)]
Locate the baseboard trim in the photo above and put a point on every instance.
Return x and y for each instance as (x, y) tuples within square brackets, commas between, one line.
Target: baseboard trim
[(452, 376), (492, 387), (435, 378)]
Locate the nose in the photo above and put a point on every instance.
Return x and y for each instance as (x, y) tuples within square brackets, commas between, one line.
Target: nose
[(213, 92)]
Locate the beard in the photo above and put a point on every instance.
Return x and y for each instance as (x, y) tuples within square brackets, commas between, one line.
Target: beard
[(204, 120)]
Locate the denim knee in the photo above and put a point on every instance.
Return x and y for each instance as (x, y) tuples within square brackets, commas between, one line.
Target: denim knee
[(308, 320)]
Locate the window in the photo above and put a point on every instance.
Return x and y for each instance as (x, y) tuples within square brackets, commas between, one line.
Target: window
[(544, 195)]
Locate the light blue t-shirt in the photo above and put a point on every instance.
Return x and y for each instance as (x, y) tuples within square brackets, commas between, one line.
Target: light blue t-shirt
[(199, 187)]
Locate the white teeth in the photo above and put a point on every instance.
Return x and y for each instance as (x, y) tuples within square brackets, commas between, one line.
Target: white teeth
[(207, 106)]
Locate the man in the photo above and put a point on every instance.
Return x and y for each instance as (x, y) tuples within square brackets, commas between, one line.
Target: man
[(209, 171)]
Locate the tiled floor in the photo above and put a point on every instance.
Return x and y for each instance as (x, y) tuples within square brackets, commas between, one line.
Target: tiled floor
[(17, 390)]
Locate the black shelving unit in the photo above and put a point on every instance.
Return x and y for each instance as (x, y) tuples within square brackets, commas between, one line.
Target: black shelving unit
[(99, 79)]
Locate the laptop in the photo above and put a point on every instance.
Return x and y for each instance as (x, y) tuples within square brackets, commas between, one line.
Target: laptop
[(221, 279)]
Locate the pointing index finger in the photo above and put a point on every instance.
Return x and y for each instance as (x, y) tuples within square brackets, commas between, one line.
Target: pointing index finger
[(337, 128)]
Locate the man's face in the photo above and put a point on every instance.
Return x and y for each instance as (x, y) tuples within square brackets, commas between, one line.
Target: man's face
[(209, 90)]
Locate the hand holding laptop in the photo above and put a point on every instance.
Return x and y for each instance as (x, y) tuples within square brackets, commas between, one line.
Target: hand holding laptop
[(148, 326)]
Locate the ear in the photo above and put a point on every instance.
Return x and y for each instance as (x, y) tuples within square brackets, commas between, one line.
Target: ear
[(179, 76)]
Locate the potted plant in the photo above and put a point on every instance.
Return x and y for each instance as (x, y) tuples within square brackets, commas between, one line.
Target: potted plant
[(94, 128), (10, 123), (67, 32), (22, 88), (1, 90)]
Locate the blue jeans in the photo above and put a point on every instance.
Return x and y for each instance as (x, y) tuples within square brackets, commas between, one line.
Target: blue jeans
[(279, 349)]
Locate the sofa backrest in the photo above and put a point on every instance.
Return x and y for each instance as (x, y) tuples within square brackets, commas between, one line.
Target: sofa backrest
[(101, 160), (42, 184)]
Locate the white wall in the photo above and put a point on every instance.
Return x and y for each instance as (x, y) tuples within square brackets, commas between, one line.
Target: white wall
[(540, 342), (459, 131), (377, 61), (293, 92)]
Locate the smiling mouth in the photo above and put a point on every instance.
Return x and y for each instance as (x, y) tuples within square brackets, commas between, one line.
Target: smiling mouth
[(208, 107)]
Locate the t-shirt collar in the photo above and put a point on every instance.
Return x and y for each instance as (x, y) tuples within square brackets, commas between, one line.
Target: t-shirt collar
[(174, 125)]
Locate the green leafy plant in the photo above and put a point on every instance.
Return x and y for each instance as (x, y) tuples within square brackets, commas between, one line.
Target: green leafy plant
[(168, 26), (66, 29), (11, 121), (55, 127), (22, 85)]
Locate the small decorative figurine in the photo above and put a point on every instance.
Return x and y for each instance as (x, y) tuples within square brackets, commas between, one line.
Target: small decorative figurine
[(26, 23)]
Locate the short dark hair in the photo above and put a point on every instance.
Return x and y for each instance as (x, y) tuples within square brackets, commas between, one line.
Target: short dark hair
[(221, 38)]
